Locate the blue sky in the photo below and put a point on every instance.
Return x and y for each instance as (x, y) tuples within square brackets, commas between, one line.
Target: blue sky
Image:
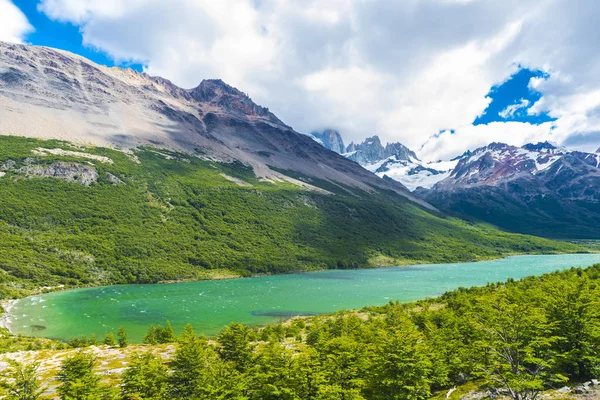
[(62, 35), (362, 68)]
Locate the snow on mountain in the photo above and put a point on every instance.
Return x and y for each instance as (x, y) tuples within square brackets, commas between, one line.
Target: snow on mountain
[(497, 162)]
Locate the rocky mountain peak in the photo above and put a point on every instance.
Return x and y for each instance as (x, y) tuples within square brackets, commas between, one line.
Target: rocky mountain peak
[(330, 139), (218, 93)]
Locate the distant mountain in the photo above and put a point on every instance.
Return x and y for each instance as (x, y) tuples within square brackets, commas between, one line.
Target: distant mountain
[(543, 189), (330, 139)]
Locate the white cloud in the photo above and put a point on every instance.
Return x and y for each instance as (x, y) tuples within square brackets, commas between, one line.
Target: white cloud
[(13, 23), (405, 70), (510, 111)]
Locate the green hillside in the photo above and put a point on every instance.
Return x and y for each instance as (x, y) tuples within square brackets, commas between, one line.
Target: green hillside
[(156, 216)]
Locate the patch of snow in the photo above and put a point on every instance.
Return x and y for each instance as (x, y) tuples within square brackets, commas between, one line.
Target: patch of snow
[(424, 179), (443, 165)]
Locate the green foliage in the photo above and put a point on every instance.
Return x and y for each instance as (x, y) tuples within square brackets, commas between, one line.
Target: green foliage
[(77, 378), (177, 217), (23, 381), (109, 339), (235, 346), (122, 337), (145, 378)]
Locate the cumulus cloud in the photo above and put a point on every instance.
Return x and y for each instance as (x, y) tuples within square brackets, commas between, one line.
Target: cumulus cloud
[(13, 23), (414, 71)]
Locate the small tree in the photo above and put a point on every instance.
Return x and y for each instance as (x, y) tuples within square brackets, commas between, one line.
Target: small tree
[(150, 337), (24, 383), (189, 366), (122, 337), (145, 378), (109, 339), (77, 378), (235, 345)]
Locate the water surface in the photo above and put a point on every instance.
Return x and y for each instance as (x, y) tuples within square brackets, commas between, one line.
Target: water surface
[(209, 305)]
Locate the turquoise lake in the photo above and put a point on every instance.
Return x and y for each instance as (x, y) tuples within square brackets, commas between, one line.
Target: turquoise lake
[(209, 305)]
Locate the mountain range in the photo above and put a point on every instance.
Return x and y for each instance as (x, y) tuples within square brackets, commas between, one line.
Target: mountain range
[(542, 189), (110, 176)]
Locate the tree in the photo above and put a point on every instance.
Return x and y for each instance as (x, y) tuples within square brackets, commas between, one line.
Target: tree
[(515, 345), (145, 377), (273, 373), (188, 366), (24, 384), (234, 341), (122, 337), (401, 365), (109, 339), (77, 378), (150, 337)]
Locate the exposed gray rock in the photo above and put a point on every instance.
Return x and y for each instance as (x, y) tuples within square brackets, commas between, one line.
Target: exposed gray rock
[(114, 179), (330, 139), (371, 151), (8, 165), (70, 172), (564, 389)]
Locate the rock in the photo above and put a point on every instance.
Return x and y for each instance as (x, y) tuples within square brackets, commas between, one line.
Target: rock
[(587, 384), (8, 165), (581, 389), (112, 178), (564, 389), (595, 382), (331, 140), (70, 172)]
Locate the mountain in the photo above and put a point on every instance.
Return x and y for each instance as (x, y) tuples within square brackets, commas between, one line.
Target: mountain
[(47, 93), (112, 176), (396, 162), (543, 189), (330, 139)]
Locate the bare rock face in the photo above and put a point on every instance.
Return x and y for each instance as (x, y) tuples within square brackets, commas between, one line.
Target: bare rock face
[(69, 172), (330, 139), (52, 94), (372, 151)]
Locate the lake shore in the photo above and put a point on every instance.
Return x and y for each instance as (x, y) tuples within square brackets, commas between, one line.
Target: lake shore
[(5, 319)]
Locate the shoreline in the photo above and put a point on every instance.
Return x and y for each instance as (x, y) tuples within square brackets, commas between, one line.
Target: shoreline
[(5, 318)]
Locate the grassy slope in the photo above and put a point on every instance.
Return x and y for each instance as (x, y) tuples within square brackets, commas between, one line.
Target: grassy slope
[(177, 217)]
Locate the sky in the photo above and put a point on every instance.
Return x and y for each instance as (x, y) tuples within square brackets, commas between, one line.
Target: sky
[(440, 76)]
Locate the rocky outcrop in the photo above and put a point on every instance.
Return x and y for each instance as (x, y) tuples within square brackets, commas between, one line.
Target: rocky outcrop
[(372, 151), (69, 172), (330, 139)]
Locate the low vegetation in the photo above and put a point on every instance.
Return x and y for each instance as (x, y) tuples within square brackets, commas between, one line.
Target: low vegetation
[(155, 216), (515, 339)]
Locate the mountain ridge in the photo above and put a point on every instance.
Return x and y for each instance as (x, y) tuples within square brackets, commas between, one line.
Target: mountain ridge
[(53, 94)]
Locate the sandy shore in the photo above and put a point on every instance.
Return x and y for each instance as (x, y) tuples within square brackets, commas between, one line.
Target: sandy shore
[(5, 319)]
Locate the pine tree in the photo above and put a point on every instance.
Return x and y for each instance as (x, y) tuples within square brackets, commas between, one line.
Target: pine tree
[(77, 378), (150, 337), (122, 337), (109, 339), (235, 346), (145, 378)]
